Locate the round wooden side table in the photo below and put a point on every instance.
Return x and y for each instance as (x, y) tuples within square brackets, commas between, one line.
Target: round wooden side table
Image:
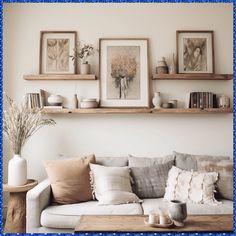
[(16, 210)]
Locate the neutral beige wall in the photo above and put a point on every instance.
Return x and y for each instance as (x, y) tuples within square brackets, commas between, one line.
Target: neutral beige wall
[(117, 135)]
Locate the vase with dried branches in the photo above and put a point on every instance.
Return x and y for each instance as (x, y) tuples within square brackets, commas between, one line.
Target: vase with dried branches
[(19, 124), (82, 52)]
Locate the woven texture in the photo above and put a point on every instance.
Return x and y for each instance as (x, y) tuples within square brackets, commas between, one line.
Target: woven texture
[(191, 186), (111, 185), (225, 170), (150, 182)]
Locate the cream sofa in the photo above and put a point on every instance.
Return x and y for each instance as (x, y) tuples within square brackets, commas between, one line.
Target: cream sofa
[(42, 217)]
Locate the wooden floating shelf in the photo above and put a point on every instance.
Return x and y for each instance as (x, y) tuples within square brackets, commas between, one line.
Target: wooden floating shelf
[(192, 111), (192, 77), (60, 77), (137, 111)]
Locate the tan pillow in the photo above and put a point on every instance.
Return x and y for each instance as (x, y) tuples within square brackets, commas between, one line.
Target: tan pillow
[(70, 180)]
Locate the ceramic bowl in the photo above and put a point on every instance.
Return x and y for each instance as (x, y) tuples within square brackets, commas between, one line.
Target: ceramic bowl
[(55, 100)]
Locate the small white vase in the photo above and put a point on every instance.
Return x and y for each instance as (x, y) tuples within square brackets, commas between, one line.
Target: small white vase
[(84, 69), (156, 101), (17, 171)]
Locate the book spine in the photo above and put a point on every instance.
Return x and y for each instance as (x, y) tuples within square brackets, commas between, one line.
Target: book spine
[(214, 101), (211, 100), (194, 100), (191, 100), (198, 99), (38, 100), (207, 99), (204, 100), (201, 100)]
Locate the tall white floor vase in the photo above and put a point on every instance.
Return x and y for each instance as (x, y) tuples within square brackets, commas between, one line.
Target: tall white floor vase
[(17, 171)]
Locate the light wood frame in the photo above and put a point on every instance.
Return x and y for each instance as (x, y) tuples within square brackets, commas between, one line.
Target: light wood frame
[(148, 72), (178, 32), (41, 48)]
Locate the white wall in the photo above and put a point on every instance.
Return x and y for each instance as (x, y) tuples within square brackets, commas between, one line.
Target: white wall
[(118, 135)]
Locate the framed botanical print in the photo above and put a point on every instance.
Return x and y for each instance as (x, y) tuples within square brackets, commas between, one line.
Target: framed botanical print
[(195, 51), (124, 75), (56, 49)]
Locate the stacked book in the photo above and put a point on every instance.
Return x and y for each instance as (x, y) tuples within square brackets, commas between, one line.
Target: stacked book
[(34, 100), (202, 100)]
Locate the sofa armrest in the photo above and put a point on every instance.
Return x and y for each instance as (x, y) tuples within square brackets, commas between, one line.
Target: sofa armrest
[(36, 200)]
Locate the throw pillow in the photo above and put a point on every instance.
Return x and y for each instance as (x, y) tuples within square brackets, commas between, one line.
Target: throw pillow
[(146, 161), (70, 179), (150, 182), (191, 186), (189, 162), (225, 170), (111, 185), (112, 161)]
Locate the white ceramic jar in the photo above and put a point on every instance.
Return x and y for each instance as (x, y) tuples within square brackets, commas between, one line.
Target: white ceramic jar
[(55, 100)]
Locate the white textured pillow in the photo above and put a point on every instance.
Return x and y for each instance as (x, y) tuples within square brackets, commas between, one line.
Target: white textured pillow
[(111, 185), (118, 197), (191, 186)]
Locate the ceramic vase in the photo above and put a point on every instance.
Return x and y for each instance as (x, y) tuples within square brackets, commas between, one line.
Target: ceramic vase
[(75, 102), (162, 67), (177, 211), (84, 69), (17, 171), (172, 67), (55, 100), (156, 101)]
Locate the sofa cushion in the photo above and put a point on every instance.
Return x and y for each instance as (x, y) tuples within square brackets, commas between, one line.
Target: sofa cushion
[(111, 185), (67, 216), (191, 186), (150, 181), (69, 179), (189, 162), (112, 161), (192, 208), (146, 161), (225, 170)]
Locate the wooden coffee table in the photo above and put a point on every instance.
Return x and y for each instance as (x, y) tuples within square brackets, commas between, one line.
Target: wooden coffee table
[(115, 223)]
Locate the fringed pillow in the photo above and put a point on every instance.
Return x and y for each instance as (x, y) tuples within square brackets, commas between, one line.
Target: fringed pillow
[(191, 186), (111, 185)]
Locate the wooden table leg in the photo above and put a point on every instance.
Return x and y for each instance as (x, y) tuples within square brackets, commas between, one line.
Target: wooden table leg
[(16, 213)]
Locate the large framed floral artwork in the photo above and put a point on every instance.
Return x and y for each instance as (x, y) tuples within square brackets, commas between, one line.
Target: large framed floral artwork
[(56, 49), (124, 75), (195, 51)]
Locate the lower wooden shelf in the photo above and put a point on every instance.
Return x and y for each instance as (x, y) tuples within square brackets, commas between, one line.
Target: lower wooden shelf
[(192, 111), (138, 111)]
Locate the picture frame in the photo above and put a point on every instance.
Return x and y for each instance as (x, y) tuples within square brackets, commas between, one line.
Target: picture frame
[(56, 50), (124, 72), (195, 51)]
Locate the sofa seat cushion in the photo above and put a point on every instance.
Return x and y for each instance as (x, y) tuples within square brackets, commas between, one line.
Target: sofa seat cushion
[(192, 208), (67, 216)]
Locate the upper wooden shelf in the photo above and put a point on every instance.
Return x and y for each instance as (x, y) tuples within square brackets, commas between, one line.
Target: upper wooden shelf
[(137, 111), (192, 77), (59, 77)]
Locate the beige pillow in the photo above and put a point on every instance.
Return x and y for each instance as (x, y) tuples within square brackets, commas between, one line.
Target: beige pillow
[(225, 170), (191, 186), (70, 179), (111, 185)]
